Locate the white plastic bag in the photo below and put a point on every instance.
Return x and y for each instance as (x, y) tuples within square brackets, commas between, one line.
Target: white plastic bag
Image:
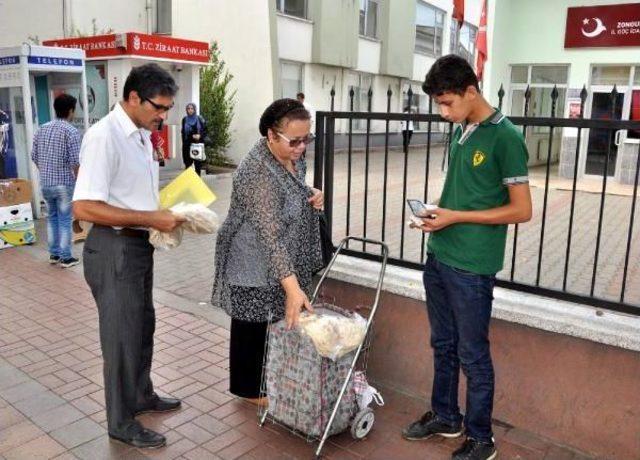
[(333, 336), (365, 393), (199, 219)]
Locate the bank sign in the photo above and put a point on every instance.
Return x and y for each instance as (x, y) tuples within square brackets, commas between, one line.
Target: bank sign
[(603, 26), (137, 44)]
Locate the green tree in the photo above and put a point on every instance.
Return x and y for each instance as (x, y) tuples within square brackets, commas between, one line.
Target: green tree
[(216, 106)]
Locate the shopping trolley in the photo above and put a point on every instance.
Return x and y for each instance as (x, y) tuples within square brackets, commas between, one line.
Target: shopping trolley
[(311, 395)]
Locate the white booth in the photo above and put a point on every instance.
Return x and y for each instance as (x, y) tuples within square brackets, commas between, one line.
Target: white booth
[(110, 59), (30, 78)]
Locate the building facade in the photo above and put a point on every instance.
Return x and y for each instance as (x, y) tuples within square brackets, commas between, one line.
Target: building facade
[(277, 48), (570, 44)]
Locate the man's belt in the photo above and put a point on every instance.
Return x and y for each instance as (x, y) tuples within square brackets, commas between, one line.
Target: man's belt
[(126, 231)]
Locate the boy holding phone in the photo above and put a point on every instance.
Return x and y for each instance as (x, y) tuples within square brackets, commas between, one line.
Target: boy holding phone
[(486, 188)]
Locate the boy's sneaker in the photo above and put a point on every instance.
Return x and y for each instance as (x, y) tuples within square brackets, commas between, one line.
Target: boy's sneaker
[(475, 450), (54, 259), (429, 425), (70, 262)]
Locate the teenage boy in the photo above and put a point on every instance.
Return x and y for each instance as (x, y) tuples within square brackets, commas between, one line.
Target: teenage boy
[(486, 188)]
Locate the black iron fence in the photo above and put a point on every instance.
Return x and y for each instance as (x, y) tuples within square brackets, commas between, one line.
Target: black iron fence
[(580, 246)]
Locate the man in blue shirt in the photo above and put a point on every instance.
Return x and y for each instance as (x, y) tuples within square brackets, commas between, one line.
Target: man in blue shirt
[(56, 152)]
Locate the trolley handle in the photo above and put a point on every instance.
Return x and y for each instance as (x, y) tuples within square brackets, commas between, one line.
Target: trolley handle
[(340, 247), (385, 248)]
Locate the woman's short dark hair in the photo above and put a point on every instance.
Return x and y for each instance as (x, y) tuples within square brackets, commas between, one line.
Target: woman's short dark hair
[(63, 104), (149, 80), (280, 112), (449, 74)]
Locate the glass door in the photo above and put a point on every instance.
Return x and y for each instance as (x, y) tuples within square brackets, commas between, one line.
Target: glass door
[(602, 148)]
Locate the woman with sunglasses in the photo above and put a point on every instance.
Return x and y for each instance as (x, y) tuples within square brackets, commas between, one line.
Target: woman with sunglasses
[(268, 248)]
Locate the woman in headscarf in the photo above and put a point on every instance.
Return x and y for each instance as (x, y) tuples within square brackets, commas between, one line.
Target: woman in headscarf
[(268, 248), (193, 131)]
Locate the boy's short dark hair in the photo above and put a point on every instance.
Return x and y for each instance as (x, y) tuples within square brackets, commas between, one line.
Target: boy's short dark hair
[(300, 95), (149, 80), (63, 104), (449, 74)]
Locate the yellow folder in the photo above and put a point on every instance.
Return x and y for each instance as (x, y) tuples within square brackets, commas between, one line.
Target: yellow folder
[(188, 187)]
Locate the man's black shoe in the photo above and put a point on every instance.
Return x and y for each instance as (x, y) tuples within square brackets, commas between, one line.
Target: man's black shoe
[(429, 425), (143, 439), (475, 450), (160, 405)]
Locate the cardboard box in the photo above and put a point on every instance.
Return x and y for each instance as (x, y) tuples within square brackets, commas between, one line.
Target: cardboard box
[(14, 191), (17, 234), (15, 213), (16, 225)]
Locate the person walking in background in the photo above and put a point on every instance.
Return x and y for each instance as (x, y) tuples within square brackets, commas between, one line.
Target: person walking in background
[(407, 131), (312, 112), (486, 188), (117, 190), (56, 149), (194, 130)]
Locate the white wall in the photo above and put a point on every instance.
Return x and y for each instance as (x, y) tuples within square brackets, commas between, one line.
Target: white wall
[(294, 38), (241, 28), (368, 55), (44, 18)]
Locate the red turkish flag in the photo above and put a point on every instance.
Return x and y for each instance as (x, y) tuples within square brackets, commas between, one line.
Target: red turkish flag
[(481, 43), (458, 11)]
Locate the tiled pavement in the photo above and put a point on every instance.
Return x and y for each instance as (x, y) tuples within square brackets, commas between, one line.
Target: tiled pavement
[(51, 396)]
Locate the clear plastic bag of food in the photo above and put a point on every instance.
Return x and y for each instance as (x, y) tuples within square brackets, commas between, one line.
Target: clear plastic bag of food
[(199, 219), (333, 335)]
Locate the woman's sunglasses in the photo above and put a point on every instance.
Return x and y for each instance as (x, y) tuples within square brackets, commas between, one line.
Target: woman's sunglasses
[(308, 139)]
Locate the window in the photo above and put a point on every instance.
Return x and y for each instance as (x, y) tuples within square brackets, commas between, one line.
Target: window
[(369, 18), (610, 75), (291, 79), (463, 41), (296, 8), (361, 97), (163, 17), (429, 27), (541, 79)]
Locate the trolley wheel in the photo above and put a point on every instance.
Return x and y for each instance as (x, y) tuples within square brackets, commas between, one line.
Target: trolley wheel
[(362, 423)]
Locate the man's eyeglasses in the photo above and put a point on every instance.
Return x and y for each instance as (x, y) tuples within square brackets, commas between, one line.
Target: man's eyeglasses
[(293, 143), (159, 107)]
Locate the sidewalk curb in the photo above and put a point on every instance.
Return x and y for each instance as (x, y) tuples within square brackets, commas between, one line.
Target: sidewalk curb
[(206, 311)]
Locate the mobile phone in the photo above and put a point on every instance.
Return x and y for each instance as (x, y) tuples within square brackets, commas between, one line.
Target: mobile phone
[(419, 209)]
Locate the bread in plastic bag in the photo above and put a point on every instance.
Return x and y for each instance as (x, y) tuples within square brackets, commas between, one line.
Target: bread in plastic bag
[(199, 219), (333, 335)]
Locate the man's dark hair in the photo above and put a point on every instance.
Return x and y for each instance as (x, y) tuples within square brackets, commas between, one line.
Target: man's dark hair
[(449, 74), (64, 104), (300, 95), (149, 80), (281, 111)]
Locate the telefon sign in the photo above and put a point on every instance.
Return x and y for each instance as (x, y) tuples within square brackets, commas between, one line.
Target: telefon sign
[(603, 26)]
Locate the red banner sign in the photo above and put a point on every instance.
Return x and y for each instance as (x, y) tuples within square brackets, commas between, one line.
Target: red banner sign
[(136, 44), (603, 26)]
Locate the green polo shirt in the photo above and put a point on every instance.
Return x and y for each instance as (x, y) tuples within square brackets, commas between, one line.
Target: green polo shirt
[(483, 162)]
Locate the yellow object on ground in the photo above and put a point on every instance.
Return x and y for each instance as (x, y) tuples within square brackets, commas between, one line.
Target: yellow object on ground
[(189, 188)]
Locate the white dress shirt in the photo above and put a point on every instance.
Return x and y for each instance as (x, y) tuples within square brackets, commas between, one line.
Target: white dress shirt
[(117, 166)]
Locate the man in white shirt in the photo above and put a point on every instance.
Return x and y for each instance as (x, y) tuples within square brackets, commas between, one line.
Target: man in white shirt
[(117, 190)]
